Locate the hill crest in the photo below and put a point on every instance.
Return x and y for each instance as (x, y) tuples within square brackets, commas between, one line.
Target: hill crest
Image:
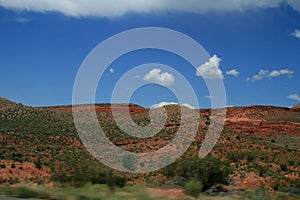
[(5, 104)]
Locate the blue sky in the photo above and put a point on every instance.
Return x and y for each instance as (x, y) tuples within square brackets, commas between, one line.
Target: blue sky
[(255, 49)]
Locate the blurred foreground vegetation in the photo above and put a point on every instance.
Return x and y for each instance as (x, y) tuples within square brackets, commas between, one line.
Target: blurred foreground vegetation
[(137, 192)]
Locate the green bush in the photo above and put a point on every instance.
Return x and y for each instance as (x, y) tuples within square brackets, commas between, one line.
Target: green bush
[(235, 156), (2, 180), (38, 163), (80, 174), (257, 194), (283, 167), (209, 171), (13, 180), (176, 181), (83, 197), (112, 180), (24, 192), (193, 188)]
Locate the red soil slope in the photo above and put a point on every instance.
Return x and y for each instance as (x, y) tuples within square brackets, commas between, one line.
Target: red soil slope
[(262, 121), (119, 108)]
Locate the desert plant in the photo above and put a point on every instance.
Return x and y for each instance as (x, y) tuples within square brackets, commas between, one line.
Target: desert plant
[(193, 188), (38, 163), (257, 194), (209, 171), (283, 167)]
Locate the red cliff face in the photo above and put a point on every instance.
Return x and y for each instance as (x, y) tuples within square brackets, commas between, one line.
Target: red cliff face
[(261, 121), (264, 121), (118, 108)]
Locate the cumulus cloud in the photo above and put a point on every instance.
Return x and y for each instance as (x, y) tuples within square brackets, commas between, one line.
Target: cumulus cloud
[(272, 74), (104, 8), (294, 97), (261, 75), (296, 33), (233, 72), (162, 104), (286, 72), (210, 69), (156, 76)]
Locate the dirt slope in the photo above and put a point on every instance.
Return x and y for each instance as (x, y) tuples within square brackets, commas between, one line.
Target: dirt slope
[(264, 121)]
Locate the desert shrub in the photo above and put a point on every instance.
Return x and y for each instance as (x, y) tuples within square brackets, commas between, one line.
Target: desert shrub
[(176, 181), (38, 163), (257, 194), (209, 171), (263, 170), (2, 166), (107, 177), (2, 180), (24, 192), (235, 156), (119, 181), (17, 157), (85, 197), (79, 174), (282, 196), (291, 162), (295, 183), (193, 188), (250, 156), (13, 180), (283, 167)]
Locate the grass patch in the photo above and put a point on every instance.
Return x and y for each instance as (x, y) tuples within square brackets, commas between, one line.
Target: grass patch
[(136, 192)]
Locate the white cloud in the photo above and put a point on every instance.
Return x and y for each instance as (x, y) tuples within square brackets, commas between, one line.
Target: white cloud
[(294, 97), (296, 33), (161, 104), (261, 75), (286, 71), (230, 106), (104, 8), (233, 72), (210, 69), (163, 78), (273, 74), (276, 73), (210, 97), (111, 70)]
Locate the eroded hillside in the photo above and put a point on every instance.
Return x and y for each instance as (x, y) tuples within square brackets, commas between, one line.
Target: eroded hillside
[(41, 145)]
